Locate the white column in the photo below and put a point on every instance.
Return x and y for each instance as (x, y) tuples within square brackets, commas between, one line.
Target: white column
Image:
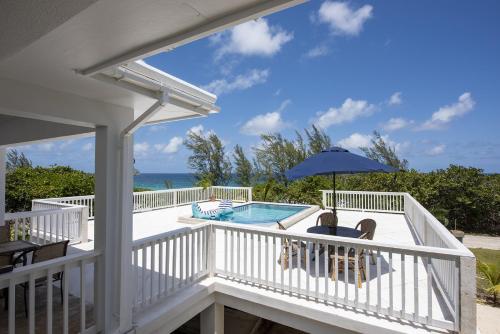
[(127, 290), (113, 229), (212, 319), (3, 152)]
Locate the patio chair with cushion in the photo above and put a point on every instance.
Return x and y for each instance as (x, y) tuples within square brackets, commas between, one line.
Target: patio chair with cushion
[(45, 253), (327, 219), (284, 259)]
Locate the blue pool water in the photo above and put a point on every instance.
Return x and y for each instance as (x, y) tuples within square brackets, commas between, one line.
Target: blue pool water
[(263, 214)]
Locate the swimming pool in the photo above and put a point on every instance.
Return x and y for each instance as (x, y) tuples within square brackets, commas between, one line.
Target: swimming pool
[(263, 213)]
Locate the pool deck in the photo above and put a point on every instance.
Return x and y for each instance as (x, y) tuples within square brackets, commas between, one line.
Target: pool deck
[(391, 229)]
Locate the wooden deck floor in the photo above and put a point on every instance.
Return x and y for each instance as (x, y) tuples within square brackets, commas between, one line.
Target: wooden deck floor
[(41, 312)]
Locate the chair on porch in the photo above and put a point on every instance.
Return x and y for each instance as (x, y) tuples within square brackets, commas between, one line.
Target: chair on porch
[(284, 259), (367, 228), (327, 219), (45, 253), (5, 267), (5, 233)]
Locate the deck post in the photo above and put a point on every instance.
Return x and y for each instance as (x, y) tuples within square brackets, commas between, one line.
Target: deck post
[(113, 230), (127, 291), (211, 250), (2, 185), (84, 224), (467, 309), (212, 319)]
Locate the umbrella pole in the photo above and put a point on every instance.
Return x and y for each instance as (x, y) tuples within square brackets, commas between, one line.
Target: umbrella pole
[(334, 198)]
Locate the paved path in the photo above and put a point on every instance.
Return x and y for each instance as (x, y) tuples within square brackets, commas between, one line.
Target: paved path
[(479, 241), (487, 319)]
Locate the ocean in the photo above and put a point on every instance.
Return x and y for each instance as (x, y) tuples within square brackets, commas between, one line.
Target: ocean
[(156, 181)]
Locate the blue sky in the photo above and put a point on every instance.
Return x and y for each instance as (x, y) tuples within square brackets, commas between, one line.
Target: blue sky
[(426, 74)]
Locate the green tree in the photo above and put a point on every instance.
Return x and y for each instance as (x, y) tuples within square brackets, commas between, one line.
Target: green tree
[(243, 170), (208, 158), (16, 159), (317, 140), (24, 184), (276, 154), (384, 153)]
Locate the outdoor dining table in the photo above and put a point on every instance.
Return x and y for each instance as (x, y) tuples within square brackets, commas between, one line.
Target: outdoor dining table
[(18, 246), (339, 231)]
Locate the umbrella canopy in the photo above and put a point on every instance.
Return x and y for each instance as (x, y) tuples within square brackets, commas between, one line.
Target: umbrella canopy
[(336, 160), (333, 161)]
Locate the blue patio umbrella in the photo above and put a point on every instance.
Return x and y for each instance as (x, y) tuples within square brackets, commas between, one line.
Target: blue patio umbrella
[(333, 161)]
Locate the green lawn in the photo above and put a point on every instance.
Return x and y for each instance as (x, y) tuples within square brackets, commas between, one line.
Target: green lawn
[(491, 257)]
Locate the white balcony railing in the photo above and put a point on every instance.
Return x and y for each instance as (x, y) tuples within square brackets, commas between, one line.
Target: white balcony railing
[(166, 263), (158, 199), (402, 282), (365, 200), (67, 316), (50, 225)]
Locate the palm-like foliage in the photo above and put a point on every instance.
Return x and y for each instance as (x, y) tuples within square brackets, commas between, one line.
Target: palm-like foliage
[(491, 274)]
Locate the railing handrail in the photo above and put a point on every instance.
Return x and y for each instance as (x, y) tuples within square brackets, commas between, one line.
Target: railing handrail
[(36, 213), (363, 192), (439, 228), (19, 272), (350, 242), (230, 187), (52, 199), (140, 242)]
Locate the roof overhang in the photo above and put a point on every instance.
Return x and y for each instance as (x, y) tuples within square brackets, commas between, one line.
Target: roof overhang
[(74, 43), (184, 99)]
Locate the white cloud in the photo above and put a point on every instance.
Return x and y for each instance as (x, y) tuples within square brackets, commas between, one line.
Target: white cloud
[(141, 148), (198, 129), (400, 148), (66, 143), (87, 147), (394, 124), (395, 99), (447, 113), (436, 150), (342, 18), (173, 145), (355, 141), (318, 51), (266, 123), (349, 111), (240, 82), (252, 38), (45, 147)]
